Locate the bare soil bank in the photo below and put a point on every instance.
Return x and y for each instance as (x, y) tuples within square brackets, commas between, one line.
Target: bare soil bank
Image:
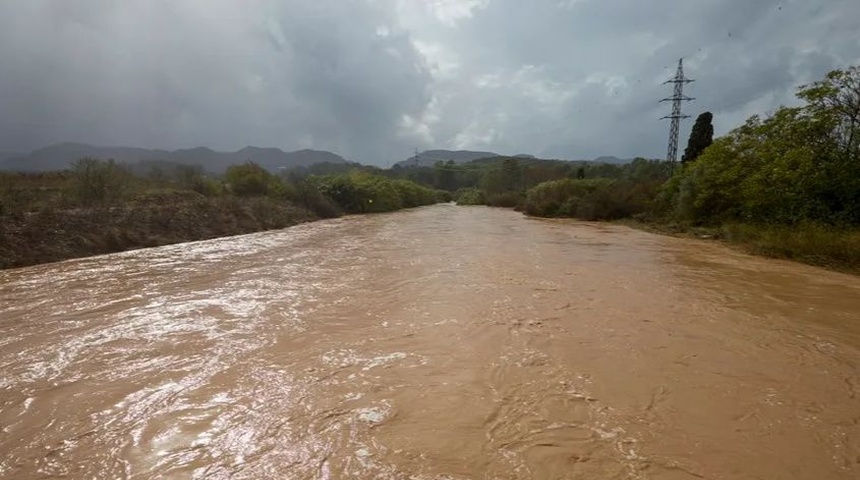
[(157, 219)]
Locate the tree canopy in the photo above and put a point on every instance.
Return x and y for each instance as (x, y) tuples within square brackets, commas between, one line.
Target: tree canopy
[(799, 164)]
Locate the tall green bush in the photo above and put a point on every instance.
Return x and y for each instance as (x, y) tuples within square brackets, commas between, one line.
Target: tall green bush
[(249, 180), (98, 181)]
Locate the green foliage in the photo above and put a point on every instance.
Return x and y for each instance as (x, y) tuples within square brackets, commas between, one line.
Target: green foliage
[(505, 199), (701, 137), (98, 181), (497, 175), (445, 175), (362, 192), (798, 165), (786, 185), (444, 196), (506, 178), (641, 170), (835, 100), (192, 177), (560, 197), (414, 195), (249, 180), (471, 196), (306, 193), (631, 190), (546, 199), (599, 199)]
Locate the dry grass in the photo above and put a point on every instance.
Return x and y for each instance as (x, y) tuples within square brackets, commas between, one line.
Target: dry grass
[(815, 244), (810, 243), (54, 233)]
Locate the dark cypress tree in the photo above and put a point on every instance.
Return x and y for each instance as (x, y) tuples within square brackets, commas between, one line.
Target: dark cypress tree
[(701, 137)]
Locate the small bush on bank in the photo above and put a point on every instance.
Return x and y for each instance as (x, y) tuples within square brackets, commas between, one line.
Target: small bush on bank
[(598, 199), (97, 181), (506, 200), (307, 194), (471, 196), (362, 192)]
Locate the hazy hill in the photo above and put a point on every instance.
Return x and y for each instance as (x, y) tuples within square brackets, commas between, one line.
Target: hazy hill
[(429, 157), (5, 155), (612, 160), (61, 155)]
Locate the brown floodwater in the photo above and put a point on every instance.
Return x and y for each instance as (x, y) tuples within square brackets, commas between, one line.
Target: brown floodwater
[(437, 343)]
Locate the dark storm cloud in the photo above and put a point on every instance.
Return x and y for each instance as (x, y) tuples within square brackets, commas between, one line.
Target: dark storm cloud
[(218, 73), (373, 79)]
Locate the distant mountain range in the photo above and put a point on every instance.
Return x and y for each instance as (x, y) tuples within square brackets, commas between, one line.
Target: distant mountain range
[(61, 155), (430, 157), (5, 155), (614, 160)]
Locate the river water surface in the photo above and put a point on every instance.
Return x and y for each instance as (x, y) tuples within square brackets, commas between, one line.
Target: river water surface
[(438, 343)]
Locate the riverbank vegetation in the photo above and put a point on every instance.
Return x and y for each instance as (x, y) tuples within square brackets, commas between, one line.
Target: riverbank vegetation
[(783, 185), (100, 206)]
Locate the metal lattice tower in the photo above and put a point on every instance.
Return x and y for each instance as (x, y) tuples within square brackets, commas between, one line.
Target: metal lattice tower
[(677, 97)]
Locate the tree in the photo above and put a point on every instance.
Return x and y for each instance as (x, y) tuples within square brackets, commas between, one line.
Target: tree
[(503, 177), (248, 179), (701, 137), (444, 174), (512, 174), (797, 165), (99, 181), (837, 98), (189, 176)]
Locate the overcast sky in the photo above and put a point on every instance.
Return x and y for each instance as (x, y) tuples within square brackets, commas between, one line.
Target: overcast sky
[(375, 79)]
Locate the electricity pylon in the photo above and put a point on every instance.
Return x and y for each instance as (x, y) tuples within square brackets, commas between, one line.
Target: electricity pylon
[(677, 97)]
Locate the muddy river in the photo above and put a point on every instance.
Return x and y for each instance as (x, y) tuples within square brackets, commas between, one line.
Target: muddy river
[(439, 343)]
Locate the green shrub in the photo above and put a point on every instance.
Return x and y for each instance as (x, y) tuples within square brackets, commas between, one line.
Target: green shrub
[(444, 196), (98, 181), (306, 194), (558, 197), (598, 199), (471, 196), (363, 192), (249, 180)]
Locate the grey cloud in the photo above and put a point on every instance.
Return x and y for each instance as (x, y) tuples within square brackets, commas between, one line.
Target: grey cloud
[(217, 73), (373, 79), (747, 56)]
